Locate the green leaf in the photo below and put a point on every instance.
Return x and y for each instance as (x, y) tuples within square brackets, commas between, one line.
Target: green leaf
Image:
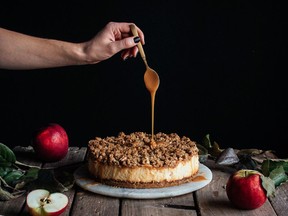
[(5, 170), (31, 174), (7, 156), (249, 151), (12, 177), (268, 185), (278, 175), (206, 142), (271, 164), (215, 151)]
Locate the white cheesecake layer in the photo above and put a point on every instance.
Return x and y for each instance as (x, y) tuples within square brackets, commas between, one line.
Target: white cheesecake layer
[(144, 174)]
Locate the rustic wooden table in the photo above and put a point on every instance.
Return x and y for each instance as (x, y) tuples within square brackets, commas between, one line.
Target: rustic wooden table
[(209, 200)]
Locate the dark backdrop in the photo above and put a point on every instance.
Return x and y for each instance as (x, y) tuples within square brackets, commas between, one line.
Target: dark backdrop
[(221, 65)]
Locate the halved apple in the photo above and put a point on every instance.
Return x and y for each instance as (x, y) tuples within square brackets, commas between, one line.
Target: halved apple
[(42, 202)]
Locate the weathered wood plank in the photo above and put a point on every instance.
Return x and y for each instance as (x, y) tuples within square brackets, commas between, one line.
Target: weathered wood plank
[(181, 205), (8, 208), (280, 201), (88, 203), (213, 200)]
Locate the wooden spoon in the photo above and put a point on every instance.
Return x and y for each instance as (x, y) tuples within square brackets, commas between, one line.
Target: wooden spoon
[(151, 77)]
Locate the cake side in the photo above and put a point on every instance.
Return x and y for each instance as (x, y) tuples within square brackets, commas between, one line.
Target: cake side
[(144, 176)]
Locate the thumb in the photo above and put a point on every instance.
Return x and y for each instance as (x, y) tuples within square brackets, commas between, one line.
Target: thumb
[(127, 43)]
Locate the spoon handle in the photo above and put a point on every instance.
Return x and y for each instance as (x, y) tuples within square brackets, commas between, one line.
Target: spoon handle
[(140, 47)]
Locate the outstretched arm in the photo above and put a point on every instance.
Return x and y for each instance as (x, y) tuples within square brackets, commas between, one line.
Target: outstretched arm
[(19, 51)]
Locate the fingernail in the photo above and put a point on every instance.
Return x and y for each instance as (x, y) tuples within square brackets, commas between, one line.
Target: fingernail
[(136, 39)]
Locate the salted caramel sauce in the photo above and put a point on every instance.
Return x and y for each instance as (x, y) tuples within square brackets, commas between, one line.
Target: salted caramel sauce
[(152, 93), (199, 178)]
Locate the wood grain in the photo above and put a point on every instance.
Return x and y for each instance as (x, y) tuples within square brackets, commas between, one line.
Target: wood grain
[(280, 201), (181, 205)]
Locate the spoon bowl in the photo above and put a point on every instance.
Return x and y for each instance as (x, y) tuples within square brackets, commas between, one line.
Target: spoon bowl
[(151, 77)]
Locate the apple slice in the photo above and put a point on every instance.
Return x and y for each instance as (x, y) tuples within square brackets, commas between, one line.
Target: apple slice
[(42, 202)]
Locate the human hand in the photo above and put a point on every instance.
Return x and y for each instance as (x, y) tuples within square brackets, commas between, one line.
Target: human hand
[(113, 38), (22, 52)]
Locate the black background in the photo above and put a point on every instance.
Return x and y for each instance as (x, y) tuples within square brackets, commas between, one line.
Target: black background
[(222, 66)]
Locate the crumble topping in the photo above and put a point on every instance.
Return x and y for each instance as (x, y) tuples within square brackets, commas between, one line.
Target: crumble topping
[(135, 149)]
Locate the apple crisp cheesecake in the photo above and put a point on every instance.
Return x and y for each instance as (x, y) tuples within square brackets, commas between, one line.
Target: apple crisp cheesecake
[(133, 161)]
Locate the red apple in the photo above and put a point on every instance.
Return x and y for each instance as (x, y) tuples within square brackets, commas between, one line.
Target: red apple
[(245, 190), (51, 143), (42, 202)]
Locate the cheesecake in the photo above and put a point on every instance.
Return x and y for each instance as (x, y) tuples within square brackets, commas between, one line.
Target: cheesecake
[(137, 161)]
